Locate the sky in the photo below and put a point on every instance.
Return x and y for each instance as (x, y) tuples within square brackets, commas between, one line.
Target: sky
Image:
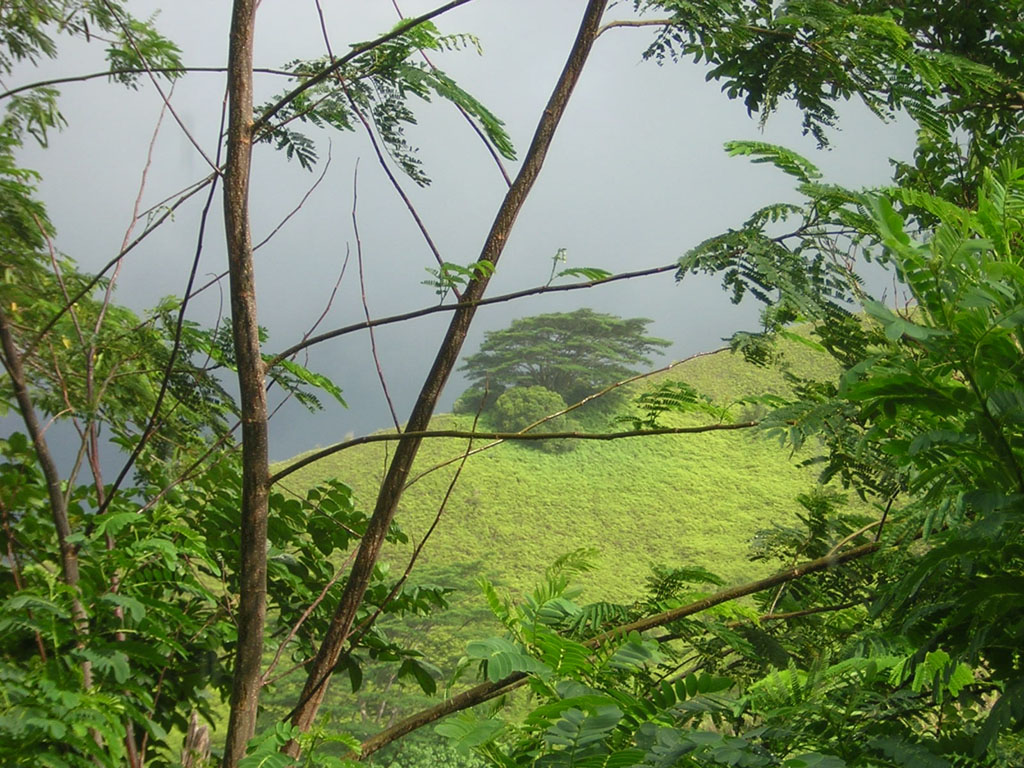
[(635, 177)]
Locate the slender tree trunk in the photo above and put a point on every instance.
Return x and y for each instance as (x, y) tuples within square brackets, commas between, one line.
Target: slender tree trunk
[(398, 472), (58, 507), (253, 597)]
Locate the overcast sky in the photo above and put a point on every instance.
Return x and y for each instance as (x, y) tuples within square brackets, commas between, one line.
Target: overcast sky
[(635, 177)]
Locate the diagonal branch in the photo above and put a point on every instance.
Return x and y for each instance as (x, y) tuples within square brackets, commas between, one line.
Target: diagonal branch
[(486, 691), (394, 482)]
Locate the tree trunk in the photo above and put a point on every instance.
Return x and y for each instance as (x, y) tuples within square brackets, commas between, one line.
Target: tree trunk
[(252, 603)]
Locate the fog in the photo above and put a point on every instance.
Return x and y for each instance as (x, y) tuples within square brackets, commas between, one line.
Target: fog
[(635, 177)]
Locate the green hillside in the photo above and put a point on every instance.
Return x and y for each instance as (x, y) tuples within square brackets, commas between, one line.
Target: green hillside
[(672, 500), (680, 499)]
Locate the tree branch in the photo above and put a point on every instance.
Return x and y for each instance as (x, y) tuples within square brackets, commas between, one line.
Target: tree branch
[(464, 304), (486, 691), (635, 23), (504, 436), (132, 71)]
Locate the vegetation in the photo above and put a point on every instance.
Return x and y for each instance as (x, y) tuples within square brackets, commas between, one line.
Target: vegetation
[(576, 499), (573, 354), (926, 423), (890, 634)]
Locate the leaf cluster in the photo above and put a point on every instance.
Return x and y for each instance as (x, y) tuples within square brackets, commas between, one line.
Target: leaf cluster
[(573, 354), (377, 86)]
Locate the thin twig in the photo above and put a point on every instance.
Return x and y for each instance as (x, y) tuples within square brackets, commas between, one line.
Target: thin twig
[(175, 347), (362, 293), (473, 303), (130, 38), (87, 288), (302, 619), (134, 71), (395, 183), (885, 515), (503, 436), (859, 532), (294, 210)]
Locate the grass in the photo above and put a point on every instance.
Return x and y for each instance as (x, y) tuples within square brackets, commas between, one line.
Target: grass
[(674, 500), (671, 500)]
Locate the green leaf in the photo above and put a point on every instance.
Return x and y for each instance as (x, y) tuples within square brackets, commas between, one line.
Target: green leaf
[(635, 653), (503, 657), (589, 273), (468, 731), (577, 729), (784, 159), (316, 380)]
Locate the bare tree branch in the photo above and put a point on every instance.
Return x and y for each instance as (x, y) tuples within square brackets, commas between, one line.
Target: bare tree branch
[(362, 296), (634, 23), (382, 161), (87, 288), (295, 210), (215, 167), (503, 436), (465, 304), (154, 418), (132, 71)]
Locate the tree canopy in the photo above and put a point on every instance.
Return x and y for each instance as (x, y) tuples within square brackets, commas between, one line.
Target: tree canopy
[(574, 354)]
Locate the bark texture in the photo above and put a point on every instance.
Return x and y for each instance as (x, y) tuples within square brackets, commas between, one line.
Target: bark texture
[(252, 603)]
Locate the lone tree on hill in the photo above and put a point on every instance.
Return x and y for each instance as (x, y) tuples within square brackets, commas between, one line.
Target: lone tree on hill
[(571, 353)]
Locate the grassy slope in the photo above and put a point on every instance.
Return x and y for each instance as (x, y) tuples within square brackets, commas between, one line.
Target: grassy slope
[(675, 500)]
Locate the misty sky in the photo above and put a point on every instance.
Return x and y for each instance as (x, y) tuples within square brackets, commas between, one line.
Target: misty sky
[(635, 177)]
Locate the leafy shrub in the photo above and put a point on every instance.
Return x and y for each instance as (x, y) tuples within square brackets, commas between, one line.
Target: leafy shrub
[(521, 406), (469, 402)]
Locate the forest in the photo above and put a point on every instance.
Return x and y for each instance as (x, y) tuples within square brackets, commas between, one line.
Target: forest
[(803, 549)]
